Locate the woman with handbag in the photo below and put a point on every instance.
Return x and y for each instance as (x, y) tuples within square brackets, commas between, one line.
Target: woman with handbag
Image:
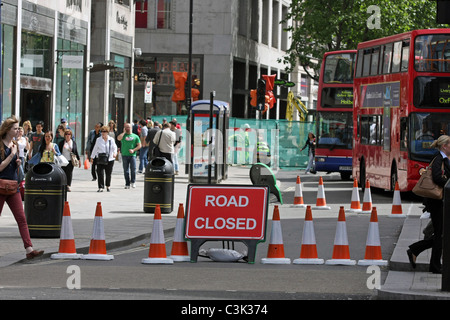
[(70, 151), (49, 150), (440, 169), (105, 151), (9, 162)]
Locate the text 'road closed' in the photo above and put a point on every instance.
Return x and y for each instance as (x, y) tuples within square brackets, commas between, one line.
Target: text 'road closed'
[(226, 212)]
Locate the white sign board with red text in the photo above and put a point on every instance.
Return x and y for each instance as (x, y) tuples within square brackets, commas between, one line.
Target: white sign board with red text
[(226, 212)]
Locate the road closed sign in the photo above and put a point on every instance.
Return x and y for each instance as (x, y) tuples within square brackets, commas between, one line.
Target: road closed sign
[(227, 212)]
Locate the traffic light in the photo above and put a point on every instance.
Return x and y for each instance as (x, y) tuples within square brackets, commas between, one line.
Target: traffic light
[(261, 95), (443, 12)]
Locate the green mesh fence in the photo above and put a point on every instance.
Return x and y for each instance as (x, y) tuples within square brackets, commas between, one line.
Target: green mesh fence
[(284, 139)]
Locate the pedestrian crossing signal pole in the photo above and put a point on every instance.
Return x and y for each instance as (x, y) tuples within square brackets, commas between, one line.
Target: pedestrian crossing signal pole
[(445, 286)]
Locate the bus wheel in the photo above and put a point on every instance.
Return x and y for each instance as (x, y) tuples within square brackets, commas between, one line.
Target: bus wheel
[(362, 175), (394, 177)]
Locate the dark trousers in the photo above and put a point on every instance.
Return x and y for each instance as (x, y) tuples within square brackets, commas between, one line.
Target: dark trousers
[(436, 208), (93, 168), (68, 170), (102, 170)]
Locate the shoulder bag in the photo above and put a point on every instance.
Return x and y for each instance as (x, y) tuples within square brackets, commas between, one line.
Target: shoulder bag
[(426, 187), (9, 187), (156, 152), (103, 158)]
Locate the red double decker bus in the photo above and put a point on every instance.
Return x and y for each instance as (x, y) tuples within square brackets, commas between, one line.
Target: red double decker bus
[(335, 113), (401, 105)]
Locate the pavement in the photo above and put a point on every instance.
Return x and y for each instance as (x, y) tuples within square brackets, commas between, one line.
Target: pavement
[(125, 223)]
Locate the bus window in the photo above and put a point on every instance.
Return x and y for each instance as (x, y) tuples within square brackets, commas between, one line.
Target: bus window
[(387, 58), (375, 58), (339, 68), (405, 56), (366, 66), (359, 63), (397, 57), (404, 134), (432, 53)]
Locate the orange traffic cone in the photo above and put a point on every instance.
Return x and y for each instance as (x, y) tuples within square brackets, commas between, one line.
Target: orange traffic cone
[(341, 251), (298, 195), (97, 248), (367, 200), (397, 211), (308, 251), (157, 253), (275, 253), (373, 245), (67, 248), (355, 205), (321, 203), (179, 246)]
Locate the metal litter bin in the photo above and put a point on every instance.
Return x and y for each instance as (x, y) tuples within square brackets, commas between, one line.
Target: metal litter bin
[(159, 186), (45, 195)]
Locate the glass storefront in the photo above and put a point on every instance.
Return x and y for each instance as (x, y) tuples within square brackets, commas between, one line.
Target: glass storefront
[(119, 88), (8, 49), (36, 55), (70, 90)]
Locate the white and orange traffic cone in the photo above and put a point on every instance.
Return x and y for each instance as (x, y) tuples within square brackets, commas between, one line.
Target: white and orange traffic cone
[(373, 244), (275, 254), (341, 250), (321, 203), (157, 252), (298, 195), (397, 210), (179, 251), (67, 249), (97, 248), (355, 205), (308, 251), (367, 199)]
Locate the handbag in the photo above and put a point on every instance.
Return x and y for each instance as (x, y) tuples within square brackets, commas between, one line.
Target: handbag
[(8, 187), (426, 187), (103, 158), (61, 161), (156, 152), (75, 161)]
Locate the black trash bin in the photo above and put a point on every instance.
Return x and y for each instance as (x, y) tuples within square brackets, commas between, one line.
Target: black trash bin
[(159, 186), (45, 195)]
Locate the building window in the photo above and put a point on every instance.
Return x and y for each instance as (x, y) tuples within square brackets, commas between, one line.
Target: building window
[(164, 14), (141, 14)]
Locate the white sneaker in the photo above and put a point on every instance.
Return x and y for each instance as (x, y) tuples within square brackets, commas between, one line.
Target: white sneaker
[(127, 187), (133, 185)]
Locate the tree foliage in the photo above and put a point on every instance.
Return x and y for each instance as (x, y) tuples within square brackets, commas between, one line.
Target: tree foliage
[(320, 26)]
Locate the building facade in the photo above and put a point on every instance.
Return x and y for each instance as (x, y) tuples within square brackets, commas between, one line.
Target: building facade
[(68, 59), (235, 42)]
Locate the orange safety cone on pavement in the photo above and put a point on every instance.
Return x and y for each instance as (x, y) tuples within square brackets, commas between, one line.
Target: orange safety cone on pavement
[(157, 252), (373, 245), (67, 249), (97, 248), (397, 210), (179, 251), (367, 200), (355, 205), (341, 251), (275, 253), (321, 202), (298, 195), (308, 251)]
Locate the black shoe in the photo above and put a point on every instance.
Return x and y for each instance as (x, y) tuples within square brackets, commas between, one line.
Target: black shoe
[(411, 257)]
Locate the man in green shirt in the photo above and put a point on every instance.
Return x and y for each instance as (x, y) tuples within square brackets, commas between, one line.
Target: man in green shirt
[(130, 144)]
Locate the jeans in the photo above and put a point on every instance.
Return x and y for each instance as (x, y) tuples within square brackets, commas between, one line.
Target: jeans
[(15, 204), (129, 163), (311, 163), (143, 161)]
